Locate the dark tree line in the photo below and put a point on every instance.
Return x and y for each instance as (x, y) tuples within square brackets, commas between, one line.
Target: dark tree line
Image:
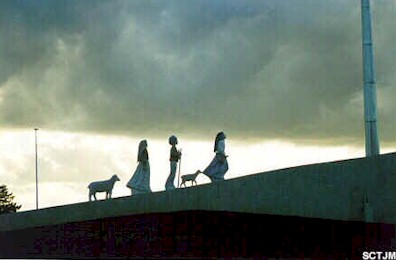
[(7, 203)]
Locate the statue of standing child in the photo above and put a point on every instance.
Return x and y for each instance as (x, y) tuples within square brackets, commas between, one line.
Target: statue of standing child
[(140, 181), (219, 165), (175, 156)]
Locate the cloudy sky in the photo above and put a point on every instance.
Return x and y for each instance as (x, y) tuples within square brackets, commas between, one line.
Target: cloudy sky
[(283, 79)]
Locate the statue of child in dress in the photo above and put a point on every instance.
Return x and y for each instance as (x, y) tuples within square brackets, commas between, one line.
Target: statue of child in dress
[(219, 165), (140, 181)]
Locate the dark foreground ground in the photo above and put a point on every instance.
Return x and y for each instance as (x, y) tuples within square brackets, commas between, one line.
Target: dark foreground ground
[(200, 234)]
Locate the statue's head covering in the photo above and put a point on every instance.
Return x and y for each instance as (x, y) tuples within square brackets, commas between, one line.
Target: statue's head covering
[(142, 146), (219, 136), (173, 140)]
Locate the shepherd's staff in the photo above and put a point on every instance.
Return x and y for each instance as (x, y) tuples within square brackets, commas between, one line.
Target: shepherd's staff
[(178, 176)]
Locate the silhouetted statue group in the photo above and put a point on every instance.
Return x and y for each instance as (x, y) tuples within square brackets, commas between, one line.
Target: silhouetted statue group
[(140, 180)]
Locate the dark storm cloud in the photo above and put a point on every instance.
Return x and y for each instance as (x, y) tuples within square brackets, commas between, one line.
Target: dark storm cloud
[(264, 69)]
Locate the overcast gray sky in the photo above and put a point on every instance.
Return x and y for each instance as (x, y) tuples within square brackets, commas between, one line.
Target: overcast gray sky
[(287, 69)]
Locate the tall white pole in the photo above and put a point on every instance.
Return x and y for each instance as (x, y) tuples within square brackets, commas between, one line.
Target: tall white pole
[(370, 96), (35, 132)]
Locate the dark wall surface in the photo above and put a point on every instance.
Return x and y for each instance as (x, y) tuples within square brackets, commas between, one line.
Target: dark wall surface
[(333, 190), (199, 234), (305, 211)]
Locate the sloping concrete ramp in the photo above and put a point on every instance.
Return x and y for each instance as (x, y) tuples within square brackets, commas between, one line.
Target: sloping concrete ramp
[(326, 198), (334, 190)]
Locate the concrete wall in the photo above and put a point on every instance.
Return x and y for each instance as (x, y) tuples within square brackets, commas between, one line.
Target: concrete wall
[(199, 235), (332, 190)]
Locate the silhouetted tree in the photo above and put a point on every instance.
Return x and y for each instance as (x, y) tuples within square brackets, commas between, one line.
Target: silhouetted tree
[(6, 201)]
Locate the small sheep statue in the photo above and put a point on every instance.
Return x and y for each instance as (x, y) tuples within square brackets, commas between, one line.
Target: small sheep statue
[(190, 177), (102, 186)]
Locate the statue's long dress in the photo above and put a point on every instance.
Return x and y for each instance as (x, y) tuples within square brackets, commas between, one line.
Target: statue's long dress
[(219, 165), (140, 181)]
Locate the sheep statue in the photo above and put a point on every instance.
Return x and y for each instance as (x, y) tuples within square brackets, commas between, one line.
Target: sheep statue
[(102, 186), (190, 177)]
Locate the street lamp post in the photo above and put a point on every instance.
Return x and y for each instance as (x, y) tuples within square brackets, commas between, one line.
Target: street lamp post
[(35, 132)]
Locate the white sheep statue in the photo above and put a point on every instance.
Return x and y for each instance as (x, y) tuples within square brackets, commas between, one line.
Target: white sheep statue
[(102, 186)]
